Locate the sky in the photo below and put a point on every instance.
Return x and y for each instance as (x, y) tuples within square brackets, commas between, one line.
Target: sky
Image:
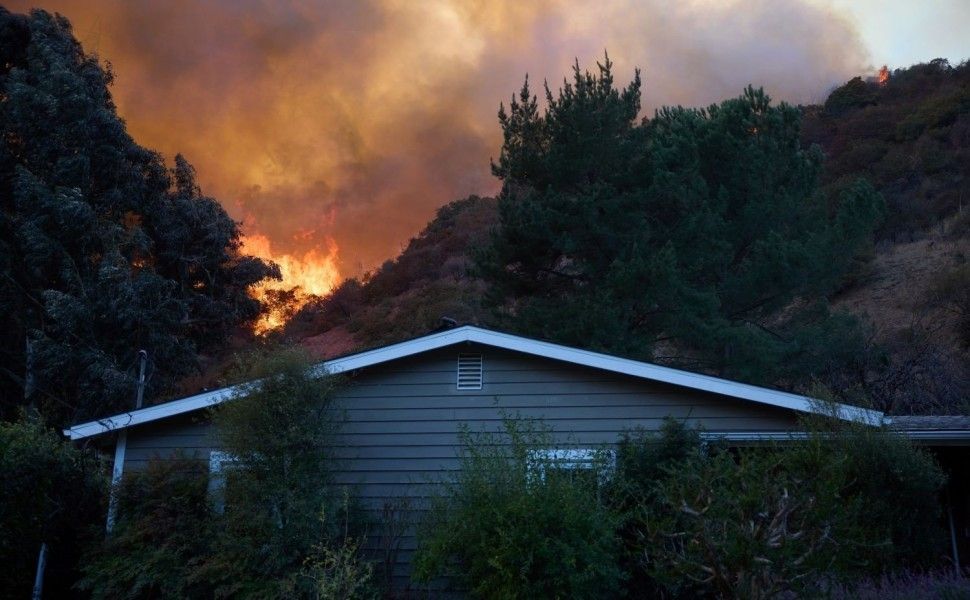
[(334, 130)]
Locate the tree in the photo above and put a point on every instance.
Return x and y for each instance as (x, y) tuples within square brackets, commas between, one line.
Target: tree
[(686, 235), (103, 250), (50, 492), (287, 530)]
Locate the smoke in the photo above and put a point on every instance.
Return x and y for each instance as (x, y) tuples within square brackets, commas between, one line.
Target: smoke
[(352, 121)]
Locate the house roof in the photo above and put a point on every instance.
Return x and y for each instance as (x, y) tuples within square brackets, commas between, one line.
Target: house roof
[(504, 341), (935, 429)]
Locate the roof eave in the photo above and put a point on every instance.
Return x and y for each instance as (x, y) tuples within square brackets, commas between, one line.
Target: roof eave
[(505, 341)]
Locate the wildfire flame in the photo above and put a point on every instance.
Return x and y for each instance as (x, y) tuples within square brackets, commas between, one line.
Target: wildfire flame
[(314, 273), (883, 75)]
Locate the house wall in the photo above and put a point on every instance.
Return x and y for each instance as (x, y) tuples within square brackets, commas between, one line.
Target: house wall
[(403, 417)]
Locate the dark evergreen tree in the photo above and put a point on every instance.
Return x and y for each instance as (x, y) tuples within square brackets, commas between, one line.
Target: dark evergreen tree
[(697, 237), (103, 250)]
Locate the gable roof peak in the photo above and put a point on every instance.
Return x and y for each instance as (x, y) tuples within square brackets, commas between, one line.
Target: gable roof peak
[(505, 341)]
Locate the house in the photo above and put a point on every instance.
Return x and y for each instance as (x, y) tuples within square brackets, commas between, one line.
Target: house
[(405, 402)]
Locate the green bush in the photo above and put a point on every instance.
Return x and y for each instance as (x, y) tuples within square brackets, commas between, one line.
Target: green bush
[(888, 489), (514, 523), (50, 492), (163, 531), (790, 518), (280, 500), (855, 94), (642, 459), (281, 528), (737, 527)]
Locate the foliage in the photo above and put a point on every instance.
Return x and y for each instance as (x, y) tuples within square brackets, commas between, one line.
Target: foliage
[(942, 585), (759, 522), (642, 459), (515, 524), (888, 532), (103, 249), (277, 528), (281, 501), (740, 527), (49, 493), (909, 136), (601, 219), (163, 531), (854, 94), (407, 297), (335, 569)]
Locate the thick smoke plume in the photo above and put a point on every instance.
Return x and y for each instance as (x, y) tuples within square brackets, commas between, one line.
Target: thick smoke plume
[(346, 123)]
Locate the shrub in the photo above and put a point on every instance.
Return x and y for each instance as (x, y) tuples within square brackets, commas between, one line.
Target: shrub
[(162, 533), (787, 519), (283, 530), (736, 526), (945, 585), (334, 568), (50, 492), (885, 531), (280, 501), (642, 459), (516, 524)]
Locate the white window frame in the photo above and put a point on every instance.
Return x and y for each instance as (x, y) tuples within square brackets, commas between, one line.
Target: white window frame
[(218, 462), (574, 458)]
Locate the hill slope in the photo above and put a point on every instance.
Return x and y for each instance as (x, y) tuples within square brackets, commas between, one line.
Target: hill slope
[(910, 136)]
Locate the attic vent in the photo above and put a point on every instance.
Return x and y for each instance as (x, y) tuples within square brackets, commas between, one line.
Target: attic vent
[(469, 371)]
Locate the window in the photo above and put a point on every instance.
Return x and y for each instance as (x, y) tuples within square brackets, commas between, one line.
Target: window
[(575, 462), (218, 463), (469, 371)]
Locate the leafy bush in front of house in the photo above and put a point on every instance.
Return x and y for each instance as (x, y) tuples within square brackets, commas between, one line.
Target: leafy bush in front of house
[(281, 503), (758, 522), (738, 527), (894, 487), (643, 458), (515, 524), (280, 528), (162, 533), (50, 492)]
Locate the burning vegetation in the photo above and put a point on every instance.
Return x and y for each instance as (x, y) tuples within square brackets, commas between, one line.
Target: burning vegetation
[(882, 78), (304, 277)]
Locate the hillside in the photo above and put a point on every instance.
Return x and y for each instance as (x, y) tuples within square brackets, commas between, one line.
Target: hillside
[(908, 135), (405, 297)]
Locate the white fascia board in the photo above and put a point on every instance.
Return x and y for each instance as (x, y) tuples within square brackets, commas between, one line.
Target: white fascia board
[(152, 413), (505, 341), (925, 437), (674, 376), (936, 435), (207, 399)]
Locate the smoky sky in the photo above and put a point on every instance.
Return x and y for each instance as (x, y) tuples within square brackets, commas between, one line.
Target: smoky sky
[(355, 120)]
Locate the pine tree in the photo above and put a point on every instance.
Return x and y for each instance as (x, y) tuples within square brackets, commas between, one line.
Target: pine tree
[(697, 237)]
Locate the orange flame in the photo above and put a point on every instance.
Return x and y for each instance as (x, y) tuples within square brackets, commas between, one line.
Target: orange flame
[(883, 75), (313, 274)]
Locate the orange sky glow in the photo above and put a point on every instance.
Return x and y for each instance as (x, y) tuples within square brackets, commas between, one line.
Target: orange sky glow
[(333, 130)]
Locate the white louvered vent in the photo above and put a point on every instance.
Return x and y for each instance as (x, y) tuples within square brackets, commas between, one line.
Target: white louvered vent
[(469, 371)]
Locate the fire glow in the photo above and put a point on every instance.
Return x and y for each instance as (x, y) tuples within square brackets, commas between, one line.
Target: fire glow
[(356, 120), (314, 273), (883, 76)]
